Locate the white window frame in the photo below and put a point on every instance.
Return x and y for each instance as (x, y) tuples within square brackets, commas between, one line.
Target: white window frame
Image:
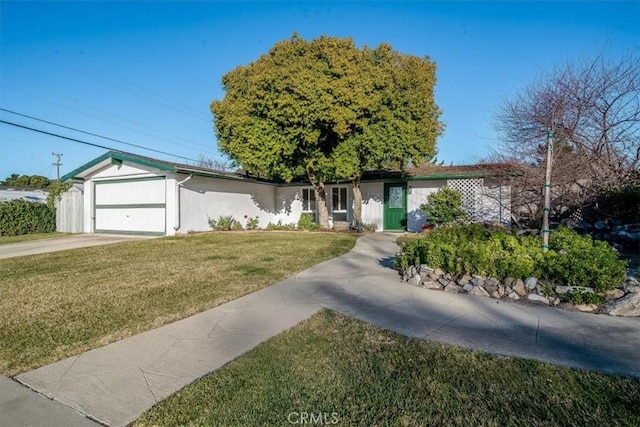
[(310, 200), (344, 204)]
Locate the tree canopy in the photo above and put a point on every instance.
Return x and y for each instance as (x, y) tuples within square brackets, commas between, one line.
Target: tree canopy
[(26, 181), (327, 110)]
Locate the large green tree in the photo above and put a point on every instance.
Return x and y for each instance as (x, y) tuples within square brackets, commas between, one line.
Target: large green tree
[(26, 181), (327, 110)]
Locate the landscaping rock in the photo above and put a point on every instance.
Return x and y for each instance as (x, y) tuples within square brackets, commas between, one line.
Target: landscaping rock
[(587, 308), (477, 280), (565, 289), (439, 272), (433, 276), (432, 285), (508, 290), (501, 291), (614, 294), (412, 271), (530, 283), (479, 290), (508, 281), (424, 268), (496, 295), (467, 287), (555, 301), (538, 298), (443, 281), (519, 288), (491, 285), (453, 288), (447, 276), (463, 280), (415, 280), (627, 306), (514, 296)]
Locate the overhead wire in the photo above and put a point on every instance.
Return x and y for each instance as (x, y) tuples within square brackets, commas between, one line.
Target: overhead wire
[(189, 142), (93, 144)]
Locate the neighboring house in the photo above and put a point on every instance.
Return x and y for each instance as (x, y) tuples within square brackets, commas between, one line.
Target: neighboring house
[(126, 193), (29, 194)]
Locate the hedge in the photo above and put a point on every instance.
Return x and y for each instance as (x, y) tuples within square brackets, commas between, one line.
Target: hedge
[(19, 217), (572, 259)]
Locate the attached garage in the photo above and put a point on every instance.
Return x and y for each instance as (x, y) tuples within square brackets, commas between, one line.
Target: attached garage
[(130, 206)]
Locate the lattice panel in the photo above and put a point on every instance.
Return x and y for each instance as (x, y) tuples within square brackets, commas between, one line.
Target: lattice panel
[(470, 189)]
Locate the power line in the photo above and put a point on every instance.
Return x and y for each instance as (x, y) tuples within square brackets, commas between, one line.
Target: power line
[(85, 142), (75, 101), (94, 134)]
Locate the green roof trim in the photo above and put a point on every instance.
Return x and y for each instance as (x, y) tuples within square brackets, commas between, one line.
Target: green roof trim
[(116, 159), (441, 176)]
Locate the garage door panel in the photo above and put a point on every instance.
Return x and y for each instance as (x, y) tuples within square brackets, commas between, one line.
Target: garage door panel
[(146, 220), (150, 191)]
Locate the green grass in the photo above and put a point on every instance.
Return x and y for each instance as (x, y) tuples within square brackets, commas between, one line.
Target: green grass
[(63, 303), (28, 237), (367, 376)]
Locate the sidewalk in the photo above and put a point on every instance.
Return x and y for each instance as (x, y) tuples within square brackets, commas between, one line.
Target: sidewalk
[(116, 383)]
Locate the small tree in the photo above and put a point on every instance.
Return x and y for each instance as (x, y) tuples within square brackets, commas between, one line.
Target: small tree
[(444, 207)]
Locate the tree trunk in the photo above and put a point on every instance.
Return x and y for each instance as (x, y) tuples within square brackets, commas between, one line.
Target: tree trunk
[(321, 204), (357, 204)]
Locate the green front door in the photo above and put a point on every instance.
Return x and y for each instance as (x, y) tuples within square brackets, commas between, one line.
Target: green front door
[(395, 206)]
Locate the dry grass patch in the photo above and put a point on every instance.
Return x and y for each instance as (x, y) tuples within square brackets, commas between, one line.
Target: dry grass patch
[(361, 375), (60, 304), (28, 237)]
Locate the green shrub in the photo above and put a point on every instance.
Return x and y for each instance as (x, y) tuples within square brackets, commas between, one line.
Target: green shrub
[(475, 249), (444, 207), (223, 223), (307, 221), (582, 297), (19, 217), (56, 189), (252, 223), (280, 226), (581, 261)]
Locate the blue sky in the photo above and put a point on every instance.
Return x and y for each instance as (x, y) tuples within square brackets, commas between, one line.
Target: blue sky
[(146, 72)]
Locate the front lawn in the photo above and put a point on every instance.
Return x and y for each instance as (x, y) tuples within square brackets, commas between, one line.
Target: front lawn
[(28, 237), (337, 369), (60, 304)]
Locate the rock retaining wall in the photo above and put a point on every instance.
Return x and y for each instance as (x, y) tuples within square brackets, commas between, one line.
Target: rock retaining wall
[(621, 301)]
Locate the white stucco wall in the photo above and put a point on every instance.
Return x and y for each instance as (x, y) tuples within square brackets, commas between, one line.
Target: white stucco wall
[(417, 193), (203, 197), (288, 204)]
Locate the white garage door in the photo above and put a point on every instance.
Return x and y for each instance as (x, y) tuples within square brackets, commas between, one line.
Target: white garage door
[(131, 206)]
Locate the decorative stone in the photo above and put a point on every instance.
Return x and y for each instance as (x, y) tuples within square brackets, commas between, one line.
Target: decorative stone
[(439, 272), (477, 280), (433, 276), (491, 285), (479, 290), (587, 308), (538, 298), (443, 281), (424, 268), (453, 288), (501, 291), (565, 289), (447, 276), (412, 271), (496, 295), (614, 294), (415, 280), (508, 290), (463, 280), (519, 288), (627, 306), (633, 289), (530, 283), (508, 281), (467, 287), (555, 301), (514, 296), (432, 285)]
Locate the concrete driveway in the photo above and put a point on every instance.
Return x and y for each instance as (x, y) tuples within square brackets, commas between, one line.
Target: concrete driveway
[(55, 244)]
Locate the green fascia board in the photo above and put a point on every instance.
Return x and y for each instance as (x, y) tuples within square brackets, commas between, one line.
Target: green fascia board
[(118, 158), (218, 175)]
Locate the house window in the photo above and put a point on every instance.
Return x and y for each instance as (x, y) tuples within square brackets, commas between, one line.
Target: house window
[(339, 203), (308, 200)]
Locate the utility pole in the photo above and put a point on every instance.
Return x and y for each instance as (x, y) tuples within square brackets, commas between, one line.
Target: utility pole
[(547, 193), (57, 163)]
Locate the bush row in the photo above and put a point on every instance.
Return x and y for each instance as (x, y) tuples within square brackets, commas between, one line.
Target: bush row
[(475, 249), (19, 217)]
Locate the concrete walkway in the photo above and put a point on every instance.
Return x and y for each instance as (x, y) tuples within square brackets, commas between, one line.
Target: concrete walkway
[(62, 243), (116, 383)]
